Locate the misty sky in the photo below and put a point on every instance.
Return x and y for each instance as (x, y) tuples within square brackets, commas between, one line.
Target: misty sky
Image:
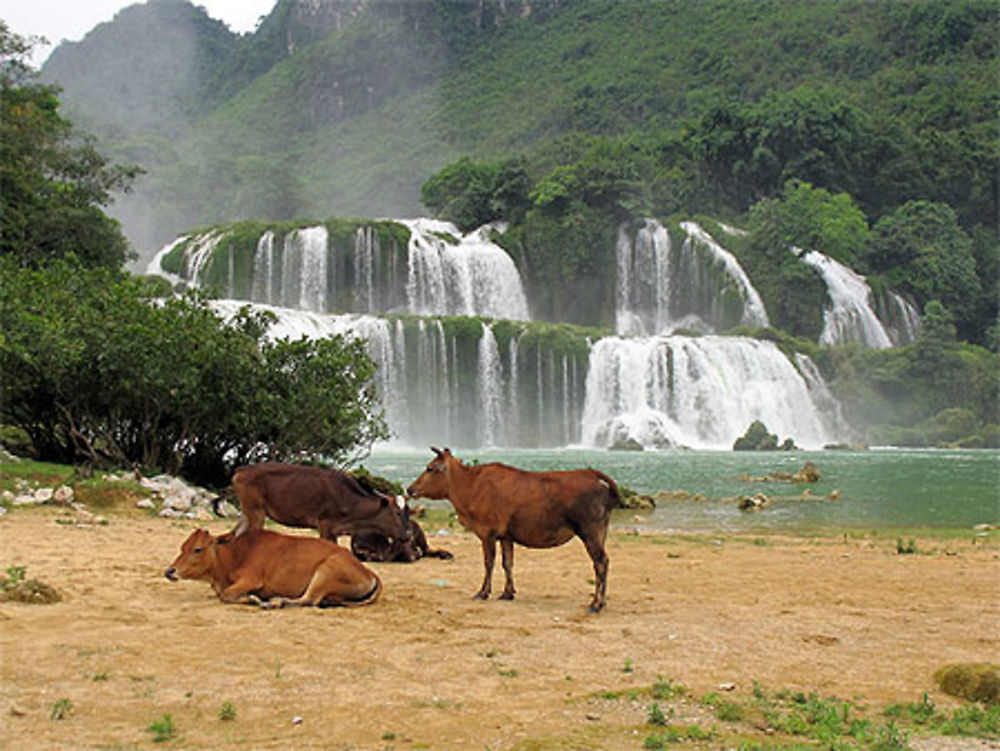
[(72, 19)]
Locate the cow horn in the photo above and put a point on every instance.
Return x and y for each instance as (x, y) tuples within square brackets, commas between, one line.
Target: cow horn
[(437, 451)]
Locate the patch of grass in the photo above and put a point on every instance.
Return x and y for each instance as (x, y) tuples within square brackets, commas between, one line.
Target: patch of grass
[(162, 729), (909, 548), (657, 716), (34, 473), (666, 690), (676, 734), (227, 712), (61, 709), (14, 587)]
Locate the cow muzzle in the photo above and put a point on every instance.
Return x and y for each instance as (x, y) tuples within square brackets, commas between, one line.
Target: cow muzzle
[(171, 574)]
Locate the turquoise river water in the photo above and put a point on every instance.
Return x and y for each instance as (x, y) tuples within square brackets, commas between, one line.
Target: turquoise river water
[(877, 489)]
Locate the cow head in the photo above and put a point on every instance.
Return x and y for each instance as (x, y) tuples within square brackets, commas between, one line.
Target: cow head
[(433, 481), (391, 518), (196, 559)]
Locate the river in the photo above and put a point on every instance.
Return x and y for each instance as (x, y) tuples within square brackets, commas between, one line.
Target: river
[(880, 489)]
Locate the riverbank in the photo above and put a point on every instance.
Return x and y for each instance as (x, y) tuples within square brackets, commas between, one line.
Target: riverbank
[(427, 667)]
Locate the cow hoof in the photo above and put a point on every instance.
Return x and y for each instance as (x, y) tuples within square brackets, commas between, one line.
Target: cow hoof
[(507, 596), (595, 609), (481, 596)]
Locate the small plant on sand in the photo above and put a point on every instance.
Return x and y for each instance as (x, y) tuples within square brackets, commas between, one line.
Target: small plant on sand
[(14, 586), (676, 734), (657, 716), (61, 709), (162, 729), (227, 711), (628, 667), (666, 690), (908, 548)]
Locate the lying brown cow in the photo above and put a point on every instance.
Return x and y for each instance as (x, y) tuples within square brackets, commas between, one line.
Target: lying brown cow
[(375, 547), (273, 570), (534, 509), (325, 499)]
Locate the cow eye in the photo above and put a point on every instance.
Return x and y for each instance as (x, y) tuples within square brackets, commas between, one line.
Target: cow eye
[(197, 550)]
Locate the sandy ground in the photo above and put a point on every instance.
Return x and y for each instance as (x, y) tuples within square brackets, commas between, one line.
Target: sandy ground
[(427, 667)]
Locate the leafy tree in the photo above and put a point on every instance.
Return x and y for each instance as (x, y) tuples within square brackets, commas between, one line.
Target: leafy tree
[(921, 249), (471, 194), (808, 218), (53, 181), (97, 369), (750, 150)]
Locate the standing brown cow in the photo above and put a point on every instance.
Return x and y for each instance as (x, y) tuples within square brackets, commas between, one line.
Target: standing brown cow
[(325, 499), (534, 509)]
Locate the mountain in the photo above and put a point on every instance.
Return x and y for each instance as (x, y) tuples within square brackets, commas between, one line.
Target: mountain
[(346, 107)]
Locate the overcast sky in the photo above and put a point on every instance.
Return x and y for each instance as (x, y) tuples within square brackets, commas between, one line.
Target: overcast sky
[(72, 19)]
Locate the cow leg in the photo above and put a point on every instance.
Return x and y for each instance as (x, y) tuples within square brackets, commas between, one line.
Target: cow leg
[(239, 592), (595, 548), (507, 549), (489, 556), (326, 530)]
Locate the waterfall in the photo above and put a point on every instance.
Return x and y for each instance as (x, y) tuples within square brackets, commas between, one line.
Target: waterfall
[(264, 271), (306, 254), (643, 290), (698, 285), (850, 316), (198, 255), (489, 389), (455, 274), (366, 250), (754, 313), (901, 320), (700, 392)]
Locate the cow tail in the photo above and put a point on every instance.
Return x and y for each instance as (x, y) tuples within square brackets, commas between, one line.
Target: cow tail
[(369, 599), (615, 496)]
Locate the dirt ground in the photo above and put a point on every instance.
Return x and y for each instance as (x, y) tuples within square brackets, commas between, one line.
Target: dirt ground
[(427, 667)]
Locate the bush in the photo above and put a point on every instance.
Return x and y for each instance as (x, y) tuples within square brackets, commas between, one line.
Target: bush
[(96, 369), (975, 682)]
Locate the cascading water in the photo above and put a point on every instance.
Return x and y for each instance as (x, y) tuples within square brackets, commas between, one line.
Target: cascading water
[(662, 287), (447, 273), (265, 271), (850, 316), (455, 274), (754, 313), (699, 392), (474, 383), (489, 389)]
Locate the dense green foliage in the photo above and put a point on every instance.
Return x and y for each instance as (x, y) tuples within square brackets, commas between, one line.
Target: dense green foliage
[(97, 370), (324, 110), (54, 184)]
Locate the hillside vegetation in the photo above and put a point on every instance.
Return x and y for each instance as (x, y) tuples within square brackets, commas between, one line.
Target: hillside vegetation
[(863, 129)]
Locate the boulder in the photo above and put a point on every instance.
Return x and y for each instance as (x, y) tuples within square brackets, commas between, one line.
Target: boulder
[(754, 502)]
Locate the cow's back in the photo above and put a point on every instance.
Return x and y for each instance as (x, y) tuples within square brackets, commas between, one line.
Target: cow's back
[(290, 494), (539, 509), (287, 563)]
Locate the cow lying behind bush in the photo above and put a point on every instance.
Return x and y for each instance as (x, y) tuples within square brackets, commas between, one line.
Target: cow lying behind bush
[(374, 547), (272, 570)]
